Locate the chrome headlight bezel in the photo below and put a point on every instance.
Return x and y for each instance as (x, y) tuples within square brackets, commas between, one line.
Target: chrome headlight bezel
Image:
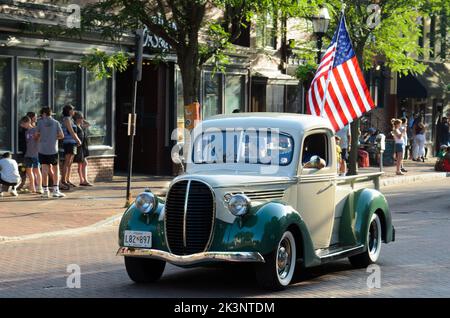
[(146, 202), (238, 204)]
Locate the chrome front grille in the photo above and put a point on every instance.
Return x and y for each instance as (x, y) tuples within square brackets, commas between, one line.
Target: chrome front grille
[(265, 194), (189, 217)]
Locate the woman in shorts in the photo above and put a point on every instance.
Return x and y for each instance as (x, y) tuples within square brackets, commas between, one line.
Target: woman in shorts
[(82, 151), (398, 134), (70, 145)]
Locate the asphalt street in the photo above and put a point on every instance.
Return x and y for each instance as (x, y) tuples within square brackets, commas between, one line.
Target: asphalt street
[(416, 265)]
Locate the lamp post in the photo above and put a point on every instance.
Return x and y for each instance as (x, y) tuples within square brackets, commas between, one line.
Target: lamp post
[(320, 24), (137, 77)]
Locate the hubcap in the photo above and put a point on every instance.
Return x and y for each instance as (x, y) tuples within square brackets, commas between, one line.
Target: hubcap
[(284, 258), (373, 238)]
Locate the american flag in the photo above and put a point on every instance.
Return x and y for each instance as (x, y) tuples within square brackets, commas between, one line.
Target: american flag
[(341, 81)]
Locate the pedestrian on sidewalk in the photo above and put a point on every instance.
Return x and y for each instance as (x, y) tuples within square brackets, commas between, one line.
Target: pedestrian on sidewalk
[(404, 130), (33, 118), (341, 166), (399, 140), (71, 142), (20, 158), (31, 160), (49, 131), (82, 150), (419, 130), (346, 140), (442, 132), (9, 174)]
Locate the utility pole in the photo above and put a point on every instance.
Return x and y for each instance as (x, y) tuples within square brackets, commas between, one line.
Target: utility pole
[(137, 76)]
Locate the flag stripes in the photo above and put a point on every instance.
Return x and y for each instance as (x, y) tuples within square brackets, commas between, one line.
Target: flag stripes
[(338, 90)]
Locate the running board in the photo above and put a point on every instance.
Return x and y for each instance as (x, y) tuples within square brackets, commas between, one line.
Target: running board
[(328, 255)]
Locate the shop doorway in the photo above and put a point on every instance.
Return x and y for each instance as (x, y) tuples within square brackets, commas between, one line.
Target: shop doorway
[(151, 143)]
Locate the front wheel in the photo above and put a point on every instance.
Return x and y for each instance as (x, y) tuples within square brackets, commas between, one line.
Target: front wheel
[(277, 272), (144, 270), (372, 253)]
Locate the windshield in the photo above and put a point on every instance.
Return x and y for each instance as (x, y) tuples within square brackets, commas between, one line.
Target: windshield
[(262, 146)]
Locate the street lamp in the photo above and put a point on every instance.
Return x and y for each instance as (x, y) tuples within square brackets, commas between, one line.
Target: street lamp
[(320, 24)]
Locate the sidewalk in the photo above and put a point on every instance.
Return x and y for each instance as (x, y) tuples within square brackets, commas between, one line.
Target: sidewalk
[(84, 207)]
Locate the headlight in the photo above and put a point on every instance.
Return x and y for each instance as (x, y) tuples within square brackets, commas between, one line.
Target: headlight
[(145, 202), (239, 204)]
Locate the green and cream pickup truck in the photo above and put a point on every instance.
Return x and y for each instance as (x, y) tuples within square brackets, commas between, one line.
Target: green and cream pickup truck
[(253, 192)]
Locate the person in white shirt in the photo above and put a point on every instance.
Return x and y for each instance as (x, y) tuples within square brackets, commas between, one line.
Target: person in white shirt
[(404, 130), (9, 174)]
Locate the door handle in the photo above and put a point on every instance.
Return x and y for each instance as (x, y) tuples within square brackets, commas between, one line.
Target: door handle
[(330, 184)]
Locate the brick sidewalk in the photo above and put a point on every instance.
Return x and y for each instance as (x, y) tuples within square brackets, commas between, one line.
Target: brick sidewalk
[(83, 206), (30, 214)]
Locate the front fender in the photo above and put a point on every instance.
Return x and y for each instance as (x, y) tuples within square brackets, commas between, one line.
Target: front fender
[(357, 213), (134, 220), (261, 230)]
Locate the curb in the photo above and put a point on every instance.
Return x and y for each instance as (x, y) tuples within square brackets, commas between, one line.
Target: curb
[(115, 219), (390, 181)]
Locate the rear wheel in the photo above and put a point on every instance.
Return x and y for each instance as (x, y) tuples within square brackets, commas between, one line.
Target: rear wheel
[(144, 270), (374, 239), (276, 273)]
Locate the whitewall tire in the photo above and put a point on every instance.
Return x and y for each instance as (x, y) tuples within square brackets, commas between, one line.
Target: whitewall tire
[(277, 272)]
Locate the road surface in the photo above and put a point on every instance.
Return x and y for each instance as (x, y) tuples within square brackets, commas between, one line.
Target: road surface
[(416, 265)]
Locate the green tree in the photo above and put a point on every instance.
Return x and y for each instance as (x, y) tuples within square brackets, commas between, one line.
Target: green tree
[(181, 23), (396, 38)]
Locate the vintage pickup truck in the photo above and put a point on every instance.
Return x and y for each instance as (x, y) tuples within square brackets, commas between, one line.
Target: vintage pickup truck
[(253, 192)]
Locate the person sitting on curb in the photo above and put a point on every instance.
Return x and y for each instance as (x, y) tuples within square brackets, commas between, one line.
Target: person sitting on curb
[(443, 159), (9, 174)]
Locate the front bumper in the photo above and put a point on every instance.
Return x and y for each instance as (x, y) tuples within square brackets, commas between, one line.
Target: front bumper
[(181, 260)]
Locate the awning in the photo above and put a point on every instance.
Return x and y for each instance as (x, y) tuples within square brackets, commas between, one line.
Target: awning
[(274, 77), (431, 84)]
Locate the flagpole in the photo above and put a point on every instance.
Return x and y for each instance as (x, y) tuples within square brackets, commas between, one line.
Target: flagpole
[(322, 106)]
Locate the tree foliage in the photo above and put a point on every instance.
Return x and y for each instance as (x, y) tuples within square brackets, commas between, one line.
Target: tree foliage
[(102, 64), (396, 37), (180, 23)]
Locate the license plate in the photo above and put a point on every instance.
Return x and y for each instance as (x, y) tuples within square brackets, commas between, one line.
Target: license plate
[(138, 239)]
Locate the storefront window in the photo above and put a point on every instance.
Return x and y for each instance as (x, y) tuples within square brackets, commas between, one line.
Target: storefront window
[(275, 98), (266, 31), (32, 86), (294, 102), (5, 103), (67, 81), (212, 99), (234, 93), (97, 101)]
